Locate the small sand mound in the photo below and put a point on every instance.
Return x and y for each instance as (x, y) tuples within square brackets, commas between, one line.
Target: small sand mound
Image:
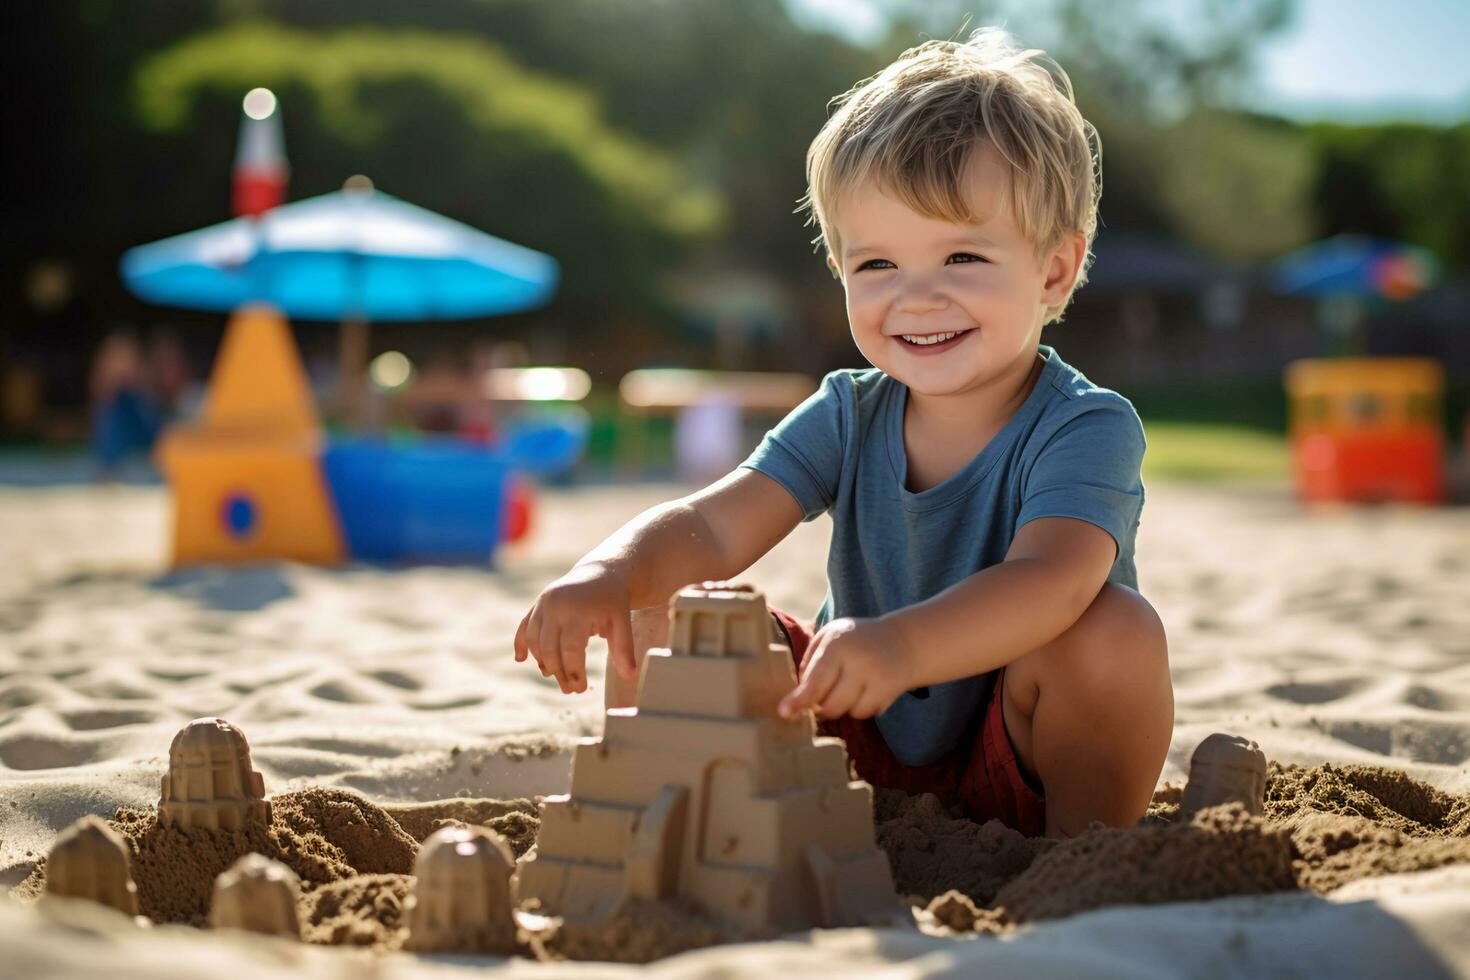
[(363, 911), (1333, 850), (324, 835), (516, 820), (933, 850), (1323, 828), (1389, 797), (639, 932), (956, 913), (370, 840), (1222, 851)]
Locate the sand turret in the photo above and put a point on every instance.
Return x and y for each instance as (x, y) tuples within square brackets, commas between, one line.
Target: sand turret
[(1225, 769), (461, 899), (258, 895), (90, 860), (702, 792), (209, 782)]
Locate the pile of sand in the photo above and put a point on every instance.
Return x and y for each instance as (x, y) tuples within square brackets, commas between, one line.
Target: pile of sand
[(354, 859), (1323, 827)]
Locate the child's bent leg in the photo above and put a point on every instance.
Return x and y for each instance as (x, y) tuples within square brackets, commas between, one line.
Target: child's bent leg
[(650, 629), (1091, 713)]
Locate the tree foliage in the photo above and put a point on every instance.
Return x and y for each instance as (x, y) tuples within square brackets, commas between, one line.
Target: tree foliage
[(345, 74), (1400, 180)]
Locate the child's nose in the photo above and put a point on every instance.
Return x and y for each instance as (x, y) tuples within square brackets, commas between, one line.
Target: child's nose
[(921, 293)]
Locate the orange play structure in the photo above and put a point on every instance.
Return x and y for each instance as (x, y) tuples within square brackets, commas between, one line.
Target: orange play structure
[(1368, 429), (247, 480)]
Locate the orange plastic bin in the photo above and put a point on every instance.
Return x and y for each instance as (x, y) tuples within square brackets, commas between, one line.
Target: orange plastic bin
[(1368, 429)]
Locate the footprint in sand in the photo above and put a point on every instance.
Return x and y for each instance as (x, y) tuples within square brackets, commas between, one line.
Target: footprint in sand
[(1433, 742), (394, 678), (1431, 699), (29, 752), (1322, 692), (98, 718)]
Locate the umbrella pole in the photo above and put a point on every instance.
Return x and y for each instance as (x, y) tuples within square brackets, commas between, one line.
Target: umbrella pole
[(352, 360)]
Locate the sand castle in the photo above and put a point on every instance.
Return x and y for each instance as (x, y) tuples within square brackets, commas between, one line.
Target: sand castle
[(461, 900), (1225, 769), (702, 792), (258, 895), (89, 860), (209, 782)]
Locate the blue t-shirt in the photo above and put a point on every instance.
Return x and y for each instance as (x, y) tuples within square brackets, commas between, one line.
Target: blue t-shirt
[(1071, 450)]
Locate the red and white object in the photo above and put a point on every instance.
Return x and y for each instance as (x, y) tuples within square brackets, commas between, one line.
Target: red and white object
[(261, 171)]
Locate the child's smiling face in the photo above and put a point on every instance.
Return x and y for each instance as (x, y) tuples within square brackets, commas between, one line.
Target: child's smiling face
[(925, 279)]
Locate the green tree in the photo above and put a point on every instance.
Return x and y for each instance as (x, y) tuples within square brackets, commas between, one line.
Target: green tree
[(1400, 180)]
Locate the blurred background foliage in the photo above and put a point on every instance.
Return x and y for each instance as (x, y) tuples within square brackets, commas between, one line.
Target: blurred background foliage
[(638, 140)]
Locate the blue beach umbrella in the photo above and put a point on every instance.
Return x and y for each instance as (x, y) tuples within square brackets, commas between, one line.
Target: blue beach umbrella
[(356, 255)]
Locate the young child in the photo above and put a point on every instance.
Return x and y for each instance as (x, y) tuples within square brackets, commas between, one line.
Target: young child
[(982, 635)]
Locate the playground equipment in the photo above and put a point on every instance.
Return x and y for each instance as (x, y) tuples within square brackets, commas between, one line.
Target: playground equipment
[(1368, 429), (257, 478)]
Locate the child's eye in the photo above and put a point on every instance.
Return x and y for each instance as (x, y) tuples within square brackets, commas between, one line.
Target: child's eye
[(967, 256)]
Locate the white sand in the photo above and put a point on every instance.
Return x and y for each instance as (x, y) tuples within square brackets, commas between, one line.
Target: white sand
[(1341, 636)]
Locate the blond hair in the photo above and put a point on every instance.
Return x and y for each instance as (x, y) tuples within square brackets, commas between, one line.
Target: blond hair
[(914, 126)]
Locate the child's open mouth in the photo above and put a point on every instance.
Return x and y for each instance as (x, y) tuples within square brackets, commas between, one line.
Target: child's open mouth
[(932, 343)]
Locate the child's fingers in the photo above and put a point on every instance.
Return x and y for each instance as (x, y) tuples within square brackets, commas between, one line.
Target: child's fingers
[(841, 698), (574, 658), (620, 646), (522, 650), (815, 646), (533, 639), (806, 655), (550, 654), (814, 686), (866, 706)]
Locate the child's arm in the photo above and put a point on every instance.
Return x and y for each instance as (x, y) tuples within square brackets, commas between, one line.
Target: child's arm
[(715, 533), (1053, 571)]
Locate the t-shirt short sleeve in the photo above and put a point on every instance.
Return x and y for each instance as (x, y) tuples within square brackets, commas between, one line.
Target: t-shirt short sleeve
[(1090, 470), (804, 452)]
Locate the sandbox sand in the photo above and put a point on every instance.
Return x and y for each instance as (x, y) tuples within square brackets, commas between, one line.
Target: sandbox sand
[(1339, 642)]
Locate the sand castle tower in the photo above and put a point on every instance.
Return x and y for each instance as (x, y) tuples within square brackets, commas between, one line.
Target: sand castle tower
[(90, 860), (258, 895), (209, 782), (1225, 769), (461, 900), (703, 792)]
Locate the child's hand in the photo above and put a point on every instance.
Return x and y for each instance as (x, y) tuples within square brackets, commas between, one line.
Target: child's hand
[(853, 667), (590, 600)]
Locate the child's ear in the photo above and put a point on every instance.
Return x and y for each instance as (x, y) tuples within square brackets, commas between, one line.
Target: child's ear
[(832, 267), (1063, 266)]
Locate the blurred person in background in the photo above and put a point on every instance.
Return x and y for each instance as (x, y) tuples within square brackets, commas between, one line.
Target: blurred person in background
[(171, 376), (125, 412)]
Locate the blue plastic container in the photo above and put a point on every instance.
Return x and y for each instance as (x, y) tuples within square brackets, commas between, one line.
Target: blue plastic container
[(430, 500), (437, 498)]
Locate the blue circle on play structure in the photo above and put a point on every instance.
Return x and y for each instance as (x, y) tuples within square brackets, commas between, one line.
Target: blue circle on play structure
[(239, 515)]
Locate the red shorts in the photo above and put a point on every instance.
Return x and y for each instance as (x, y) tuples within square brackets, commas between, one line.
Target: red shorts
[(983, 772)]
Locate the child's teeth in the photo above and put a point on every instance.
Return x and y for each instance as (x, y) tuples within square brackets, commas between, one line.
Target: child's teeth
[(937, 338)]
